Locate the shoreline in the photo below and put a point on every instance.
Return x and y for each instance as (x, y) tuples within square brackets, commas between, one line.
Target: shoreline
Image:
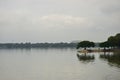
[(99, 50)]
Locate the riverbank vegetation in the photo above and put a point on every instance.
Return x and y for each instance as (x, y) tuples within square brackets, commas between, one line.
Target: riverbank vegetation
[(37, 45), (112, 43)]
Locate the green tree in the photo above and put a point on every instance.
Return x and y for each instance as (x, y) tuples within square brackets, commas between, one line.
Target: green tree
[(111, 41), (114, 41), (117, 38), (104, 44), (85, 44)]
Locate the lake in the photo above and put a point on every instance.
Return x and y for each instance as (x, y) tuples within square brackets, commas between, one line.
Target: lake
[(58, 64)]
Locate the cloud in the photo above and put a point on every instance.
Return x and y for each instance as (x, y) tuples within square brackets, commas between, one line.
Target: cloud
[(110, 7), (64, 19), (57, 20), (52, 20)]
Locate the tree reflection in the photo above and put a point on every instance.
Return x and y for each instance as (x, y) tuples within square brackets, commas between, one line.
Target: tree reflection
[(85, 57), (112, 58)]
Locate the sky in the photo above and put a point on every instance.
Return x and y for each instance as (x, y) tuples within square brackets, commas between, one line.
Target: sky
[(58, 20)]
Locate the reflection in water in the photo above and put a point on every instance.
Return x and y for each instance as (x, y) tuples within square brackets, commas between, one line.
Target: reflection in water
[(54, 64), (85, 57), (113, 59)]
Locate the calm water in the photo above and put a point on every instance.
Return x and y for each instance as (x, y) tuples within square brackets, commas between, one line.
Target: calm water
[(57, 64)]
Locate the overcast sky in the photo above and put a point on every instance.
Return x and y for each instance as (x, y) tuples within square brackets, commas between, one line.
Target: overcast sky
[(58, 20)]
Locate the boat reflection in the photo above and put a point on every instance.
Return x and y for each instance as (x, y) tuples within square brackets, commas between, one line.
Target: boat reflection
[(113, 58), (85, 57)]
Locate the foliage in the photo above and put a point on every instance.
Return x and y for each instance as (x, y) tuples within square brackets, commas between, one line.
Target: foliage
[(113, 41), (117, 37), (104, 44), (85, 44)]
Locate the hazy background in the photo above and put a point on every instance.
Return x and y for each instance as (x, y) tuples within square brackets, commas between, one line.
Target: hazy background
[(58, 20)]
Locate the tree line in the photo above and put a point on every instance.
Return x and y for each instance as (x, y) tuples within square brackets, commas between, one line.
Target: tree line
[(38, 45), (112, 42)]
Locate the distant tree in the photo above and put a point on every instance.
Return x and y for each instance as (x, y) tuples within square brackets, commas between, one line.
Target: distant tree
[(117, 38), (111, 41), (114, 41), (85, 44), (104, 44), (38, 45)]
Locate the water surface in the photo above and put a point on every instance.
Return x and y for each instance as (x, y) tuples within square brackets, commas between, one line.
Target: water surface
[(57, 64)]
